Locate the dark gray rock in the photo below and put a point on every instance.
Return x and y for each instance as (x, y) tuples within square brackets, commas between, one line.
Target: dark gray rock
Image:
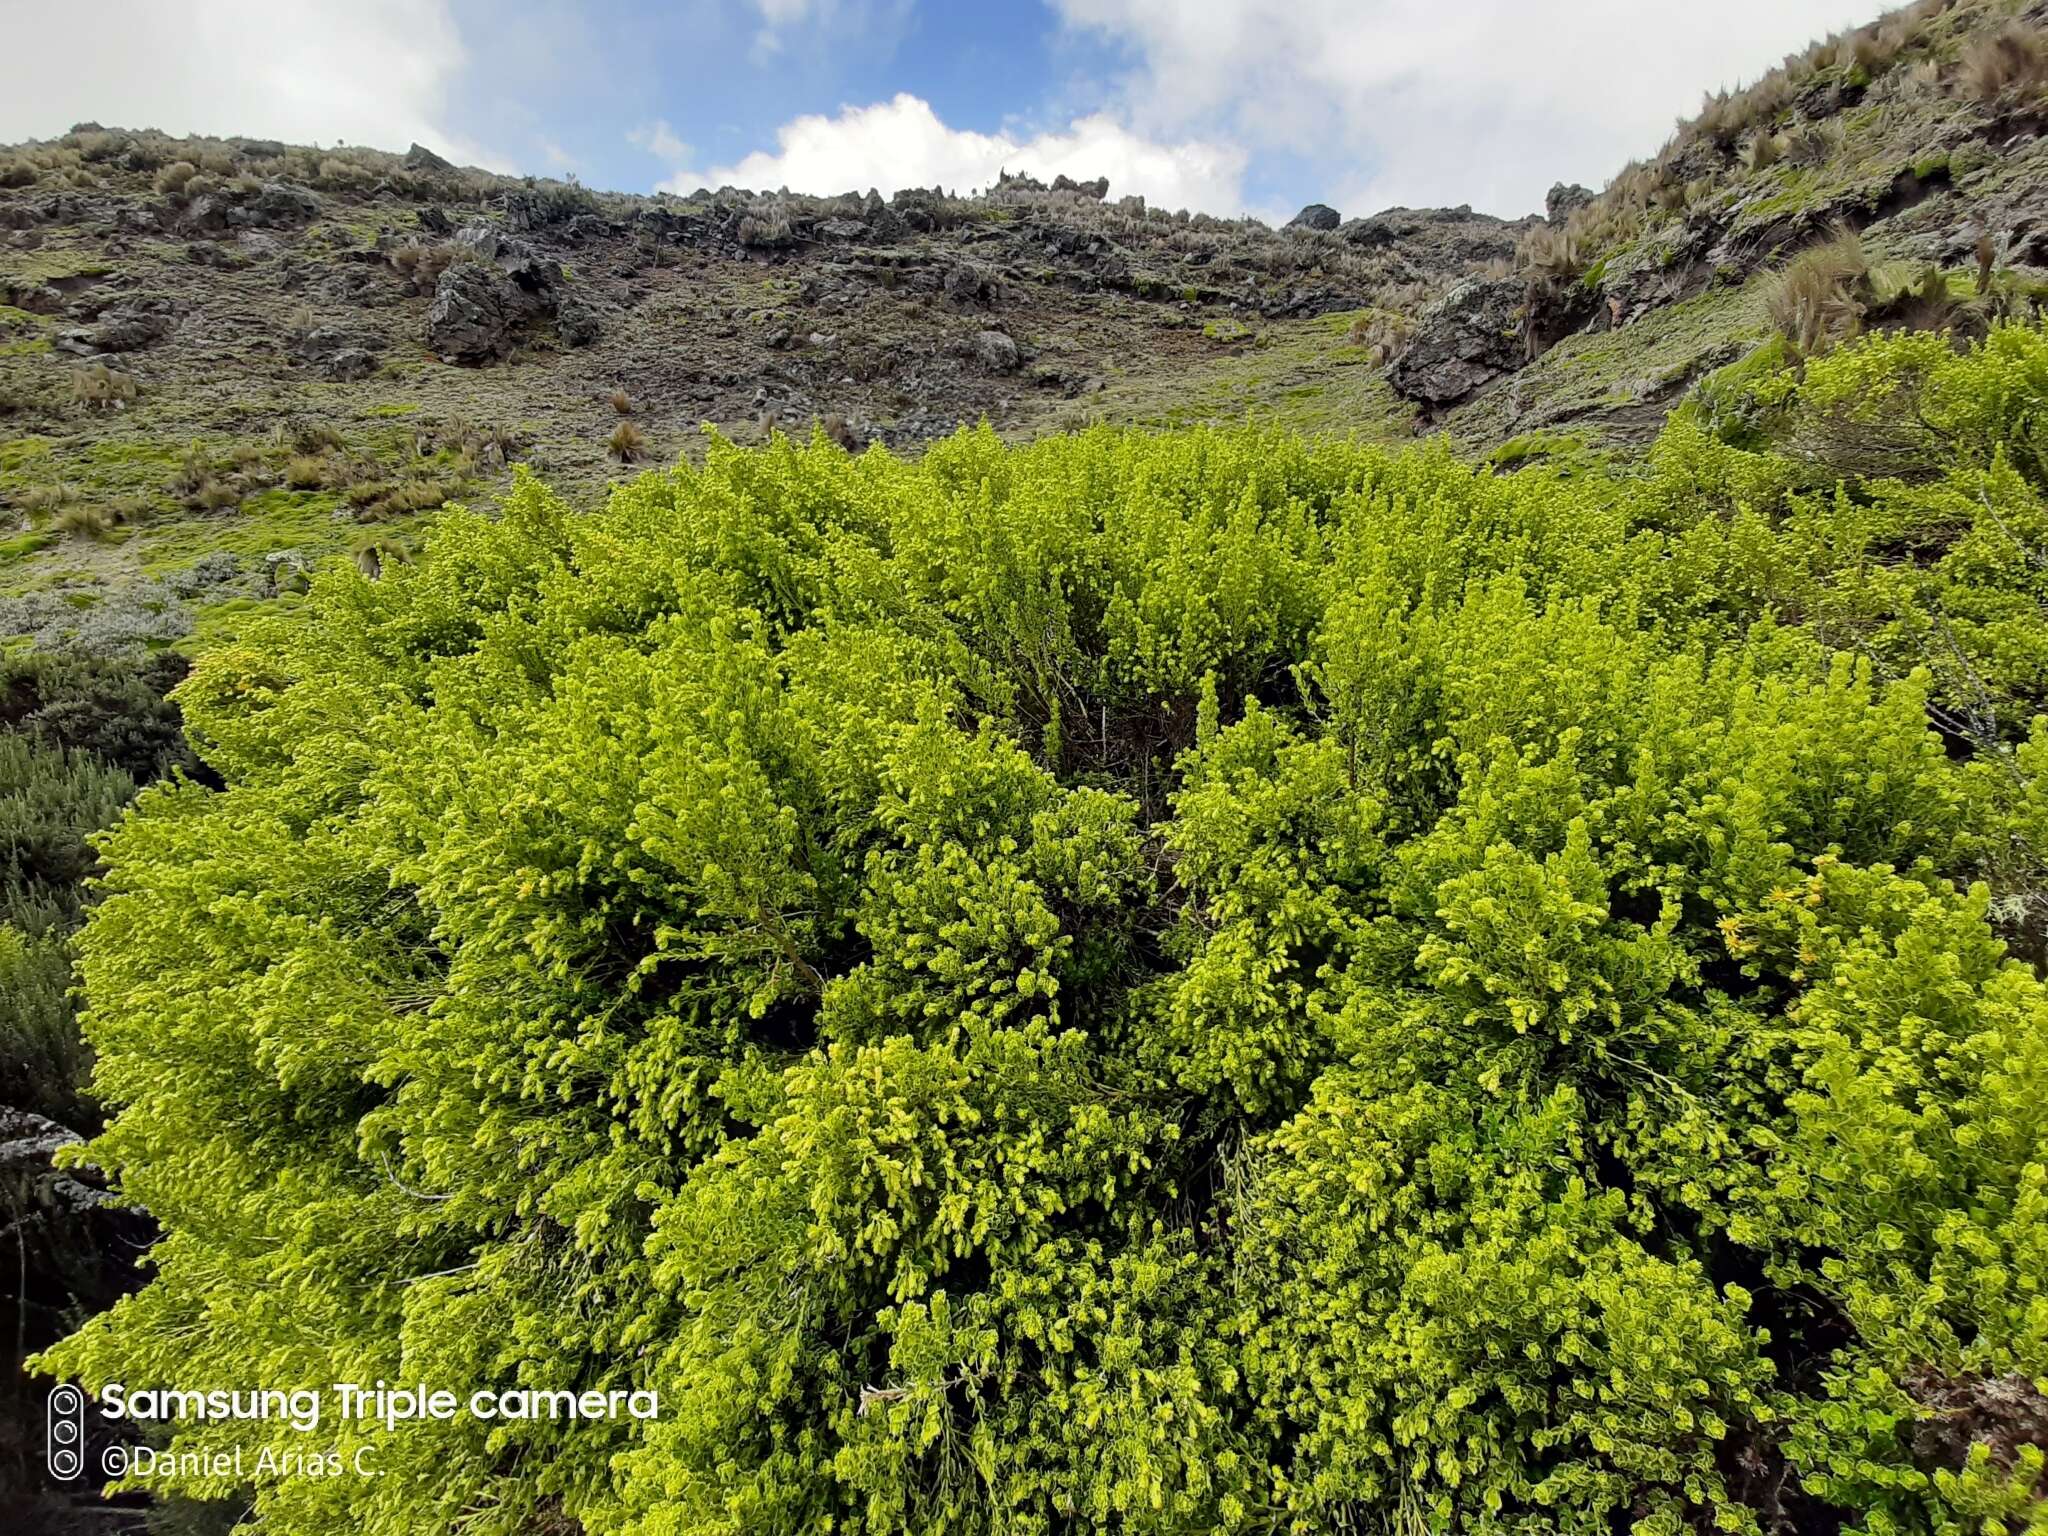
[(28, 1143), (476, 311), (1316, 216), (1469, 337), (421, 158), (578, 320), (207, 212), (338, 353), (1564, 199), (966, 283), (276, 202), (124, 328)]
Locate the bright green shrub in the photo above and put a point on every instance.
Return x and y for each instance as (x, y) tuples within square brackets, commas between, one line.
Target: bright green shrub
[(1164, 984)]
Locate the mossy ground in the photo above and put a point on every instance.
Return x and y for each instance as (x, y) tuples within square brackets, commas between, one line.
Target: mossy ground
[(1303, 374)]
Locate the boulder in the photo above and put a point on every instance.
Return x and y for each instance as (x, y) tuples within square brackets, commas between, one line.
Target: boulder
[(338, 353), (995, 352), (275, 202), (28, 1144), (421, 158), (966, 283), (123, 328), (1316, 216), (578, 320), (475, 312), (1564, 199), (286, 570), (1469, 337)]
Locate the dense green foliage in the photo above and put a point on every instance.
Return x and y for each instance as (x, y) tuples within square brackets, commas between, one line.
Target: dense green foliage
[(52, 799), (1183, 983), (76, 736)]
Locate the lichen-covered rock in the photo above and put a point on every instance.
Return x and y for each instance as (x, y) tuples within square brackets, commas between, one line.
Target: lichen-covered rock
[(1564, 199), (476, 309), (996, 352), (124, 328), (276, 202), (578, 320), (1469, 337), (967, 282), (338, 353)]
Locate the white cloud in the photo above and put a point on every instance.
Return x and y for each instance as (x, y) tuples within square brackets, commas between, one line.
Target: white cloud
[(374, 72), (903, 143), (1429, 102), (660, 141)]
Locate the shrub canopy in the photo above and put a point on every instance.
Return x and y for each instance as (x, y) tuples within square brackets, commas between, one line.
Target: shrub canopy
[(1157, 983)]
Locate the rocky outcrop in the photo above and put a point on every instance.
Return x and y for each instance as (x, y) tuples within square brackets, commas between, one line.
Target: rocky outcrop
[(421, 158), (276, 202), (475, 314), (122, 328), (1433, 240), (336, 352), (1564, 199), (1098, 188), (481, 304), (578, 320), (1469, 337), (1317, 216)]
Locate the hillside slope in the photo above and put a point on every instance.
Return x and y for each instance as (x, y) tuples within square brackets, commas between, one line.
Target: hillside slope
[(223, 359)]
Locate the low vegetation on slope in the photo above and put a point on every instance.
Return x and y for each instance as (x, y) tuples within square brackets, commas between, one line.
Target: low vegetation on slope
[(1162, 983)]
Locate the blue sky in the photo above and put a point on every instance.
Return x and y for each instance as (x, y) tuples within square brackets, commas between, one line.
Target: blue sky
[(1231, 106)]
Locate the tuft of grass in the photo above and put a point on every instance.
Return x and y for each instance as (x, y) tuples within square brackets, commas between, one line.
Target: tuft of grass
[(767, 227), (627, 444), (1760, 151), (102, 388), (622, 402), (1382, 333), (305, 472), (2008, 67), (95, 522), (173, 180), (1551, 256), (1821, 298), (42, 500)]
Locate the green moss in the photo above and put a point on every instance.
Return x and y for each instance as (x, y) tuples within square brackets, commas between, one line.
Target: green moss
[(222, 623), (20, 453), (265, 521), (50, 266), (1531, 446), (22, 545), (394, 408)]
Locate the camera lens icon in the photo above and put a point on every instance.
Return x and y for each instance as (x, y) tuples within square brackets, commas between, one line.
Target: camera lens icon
[(66, 1432)]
